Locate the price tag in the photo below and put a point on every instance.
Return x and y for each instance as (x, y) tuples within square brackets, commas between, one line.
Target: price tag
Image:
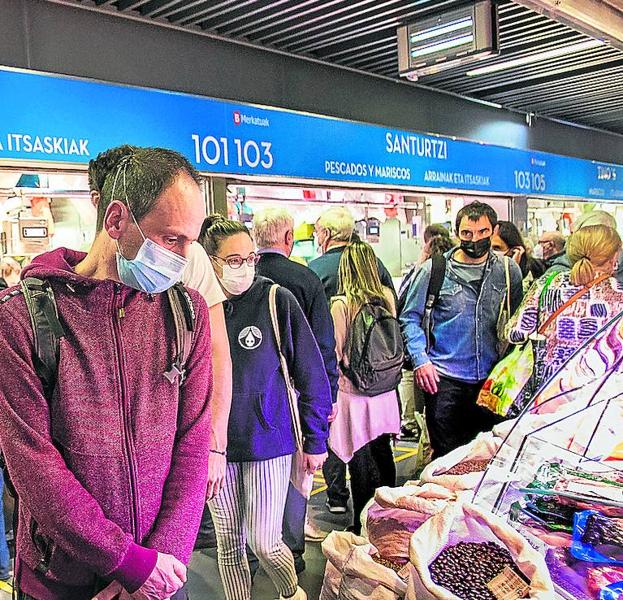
[(509, 585)]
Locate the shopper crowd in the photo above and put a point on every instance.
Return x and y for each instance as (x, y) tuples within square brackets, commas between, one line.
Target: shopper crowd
[(137, 411)]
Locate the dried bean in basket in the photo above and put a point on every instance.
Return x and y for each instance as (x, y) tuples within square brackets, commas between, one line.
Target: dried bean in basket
[(390, 564), (466, 568), (468, 466)]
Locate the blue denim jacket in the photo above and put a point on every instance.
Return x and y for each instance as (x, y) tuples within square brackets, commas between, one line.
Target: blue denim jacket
[(464, 325)]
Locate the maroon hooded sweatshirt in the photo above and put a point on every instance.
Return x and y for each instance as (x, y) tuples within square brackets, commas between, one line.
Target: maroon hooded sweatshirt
[(113, 469)]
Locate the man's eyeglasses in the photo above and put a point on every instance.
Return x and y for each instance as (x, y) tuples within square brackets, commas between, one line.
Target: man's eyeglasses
[(236, 261)]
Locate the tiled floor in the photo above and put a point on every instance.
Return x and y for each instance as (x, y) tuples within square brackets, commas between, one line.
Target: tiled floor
[(204, 582)]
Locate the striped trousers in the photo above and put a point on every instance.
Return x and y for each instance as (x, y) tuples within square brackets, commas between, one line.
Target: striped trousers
[(249, 510)]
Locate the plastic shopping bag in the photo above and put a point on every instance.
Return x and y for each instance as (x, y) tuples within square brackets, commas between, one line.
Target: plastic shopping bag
[(468, 523), (512, 382), (352, 574), (474, 455)]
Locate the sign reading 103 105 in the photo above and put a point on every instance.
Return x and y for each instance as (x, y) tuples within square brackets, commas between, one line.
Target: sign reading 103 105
[(527, 181), (224, 151)]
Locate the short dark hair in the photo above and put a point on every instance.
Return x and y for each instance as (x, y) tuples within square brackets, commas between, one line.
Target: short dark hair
[(475, 211), (140, 177), (104, 163), (217, 228), (510, 234)]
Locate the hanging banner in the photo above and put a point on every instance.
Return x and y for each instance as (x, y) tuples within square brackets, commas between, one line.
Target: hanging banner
[(60, 119)]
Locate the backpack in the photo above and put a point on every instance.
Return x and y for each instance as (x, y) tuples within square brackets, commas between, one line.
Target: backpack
[(375, 350), (437, 275), (48, 331)]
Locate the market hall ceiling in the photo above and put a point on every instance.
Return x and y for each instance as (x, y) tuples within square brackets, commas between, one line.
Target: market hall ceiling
[(584, 86)]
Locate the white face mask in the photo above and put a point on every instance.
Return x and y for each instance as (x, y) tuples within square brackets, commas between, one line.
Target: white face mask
[(538, 251), (237, 281)]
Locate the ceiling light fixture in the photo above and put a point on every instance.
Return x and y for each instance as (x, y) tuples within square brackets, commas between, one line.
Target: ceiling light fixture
[(445, 45), (533, 58), (434, 32)]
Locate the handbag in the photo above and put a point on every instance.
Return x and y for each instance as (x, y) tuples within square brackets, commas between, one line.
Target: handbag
[(505, 310), (516, 378), (299, 477)]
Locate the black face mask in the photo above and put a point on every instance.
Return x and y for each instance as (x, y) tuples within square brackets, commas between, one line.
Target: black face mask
[(476, 249)]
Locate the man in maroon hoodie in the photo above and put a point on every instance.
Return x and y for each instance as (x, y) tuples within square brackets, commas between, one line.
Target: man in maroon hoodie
[(111, 471)]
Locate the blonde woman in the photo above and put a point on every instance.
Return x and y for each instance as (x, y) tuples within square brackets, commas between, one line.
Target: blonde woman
[(361, 432), (587, 297)]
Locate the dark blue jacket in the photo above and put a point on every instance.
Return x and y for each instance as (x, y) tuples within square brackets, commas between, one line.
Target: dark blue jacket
[(260, 425), (308, 291), (327, 266)]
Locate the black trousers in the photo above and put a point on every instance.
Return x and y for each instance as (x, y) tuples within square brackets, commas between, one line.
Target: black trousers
[(452, 416), (372, 466), (334, 471)]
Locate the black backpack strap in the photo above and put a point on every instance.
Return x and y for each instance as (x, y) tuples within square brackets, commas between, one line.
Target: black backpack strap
[(47, 330), (437, 275), (184, 320)]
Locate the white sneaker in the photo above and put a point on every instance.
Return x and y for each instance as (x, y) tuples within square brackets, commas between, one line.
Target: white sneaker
[(299, 595), (313, 533)]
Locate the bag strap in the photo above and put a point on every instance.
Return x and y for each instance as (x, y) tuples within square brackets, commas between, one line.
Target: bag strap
[(570, 301), (507, 273), (47, 330), (437, 275), (184, 321), (292, 399)]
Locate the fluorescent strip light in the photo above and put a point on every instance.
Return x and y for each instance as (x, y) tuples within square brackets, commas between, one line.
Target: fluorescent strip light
[(433, 32), (460, 41), (527, 60)]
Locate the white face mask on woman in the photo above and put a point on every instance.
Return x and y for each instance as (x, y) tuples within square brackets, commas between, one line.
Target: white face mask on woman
[(237, 281)]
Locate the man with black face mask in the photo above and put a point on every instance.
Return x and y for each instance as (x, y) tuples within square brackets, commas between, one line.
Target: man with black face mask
[(463, 346)]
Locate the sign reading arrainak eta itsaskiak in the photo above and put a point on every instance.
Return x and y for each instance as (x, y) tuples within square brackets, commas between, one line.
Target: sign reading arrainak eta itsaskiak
[(66, 120)]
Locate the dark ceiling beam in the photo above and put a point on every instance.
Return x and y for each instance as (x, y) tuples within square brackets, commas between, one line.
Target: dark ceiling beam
[(457, 79), (524, 77), (563, 92), (262, 33), (326, 21), (205, 9), (158, 8), (255, 24), (125, 5), (350, 32), (202, 17), (371, 62), (584, 104), (348, 49), (545, 80)]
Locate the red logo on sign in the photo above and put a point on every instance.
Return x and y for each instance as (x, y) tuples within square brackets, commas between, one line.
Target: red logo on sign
[(237, 117)]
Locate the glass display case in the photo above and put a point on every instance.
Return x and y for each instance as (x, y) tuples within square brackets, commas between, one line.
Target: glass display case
[(558, 476)]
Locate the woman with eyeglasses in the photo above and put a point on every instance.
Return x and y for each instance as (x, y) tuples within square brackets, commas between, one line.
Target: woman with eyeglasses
[(249, 508)]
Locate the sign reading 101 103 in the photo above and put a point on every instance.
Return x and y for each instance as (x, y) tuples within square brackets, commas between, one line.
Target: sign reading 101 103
[(527, 181)]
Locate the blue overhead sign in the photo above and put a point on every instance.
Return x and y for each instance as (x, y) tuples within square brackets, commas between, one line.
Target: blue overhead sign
[(57, 119)]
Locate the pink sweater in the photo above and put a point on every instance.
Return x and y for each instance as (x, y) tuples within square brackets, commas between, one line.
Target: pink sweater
[(114, 468)]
